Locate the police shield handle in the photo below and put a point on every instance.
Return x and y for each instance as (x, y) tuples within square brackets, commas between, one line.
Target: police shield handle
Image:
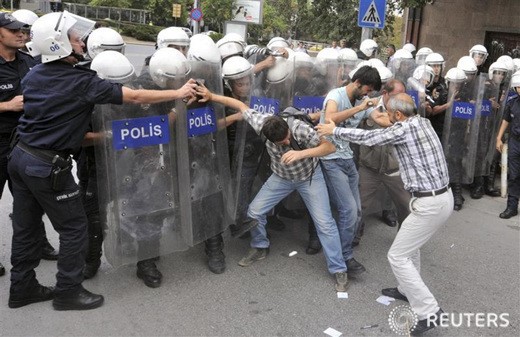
[(326, 129)]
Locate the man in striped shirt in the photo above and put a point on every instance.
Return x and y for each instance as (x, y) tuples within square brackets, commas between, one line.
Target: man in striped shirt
[(425, 174)]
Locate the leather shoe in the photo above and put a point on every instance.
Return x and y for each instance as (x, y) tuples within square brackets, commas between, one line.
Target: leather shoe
[(81, 300), (427, 324), (314, 246), (2, 269), (148, 272), (508, 213), (38, 294), (354, 268), (48, 251), (389, 218), (394, 293)]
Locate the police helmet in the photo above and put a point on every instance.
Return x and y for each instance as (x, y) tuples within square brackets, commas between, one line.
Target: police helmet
[(515, 80), (104, 38), (113, 66), (172, 36), (403, 54), (516, 62), (236, 67), (424, 73), (368, 47), (385, 74), (25, 16), (202, 48), (302, 59), (508, 62), (361, 64), (327, 55), (229, 47), (376, 63), (167, 64), (468, 65), (409, 47), (421, 55), (497, 66), (278, 42), (347, 54), (50, 34), (434, 58), (479, 49), (456, 75), (281, 70)]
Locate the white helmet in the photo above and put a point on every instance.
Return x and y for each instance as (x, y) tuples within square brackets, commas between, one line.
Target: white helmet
[(424, 73), (228, 46), (50, 34), (403, 54), (104, 38), (376, 63), (347, 54), (167, 64), (515, 80), (421, 55), (385, 74), (172, 36), (327, 55), (113, 66), (467, 64), (281, 70), (516, 62), (434, 58), (236, 67), (479, 49), (497, 66), (456, 75), (368, 47), (202, 48), (25, 16), (507, 61), (410, 47), (235, 37), (278, 42), (361, 64), (302, 59)]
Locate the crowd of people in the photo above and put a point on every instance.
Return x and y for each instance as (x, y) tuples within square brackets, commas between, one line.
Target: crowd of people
[(339, 129)]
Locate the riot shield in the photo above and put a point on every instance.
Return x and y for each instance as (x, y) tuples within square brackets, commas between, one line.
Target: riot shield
[(137, 182), (416, 90), (402, 68), (489, 110), (206, 204), (461, 126)]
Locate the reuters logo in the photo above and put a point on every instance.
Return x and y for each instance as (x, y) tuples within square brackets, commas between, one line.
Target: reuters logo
[(402, 320)]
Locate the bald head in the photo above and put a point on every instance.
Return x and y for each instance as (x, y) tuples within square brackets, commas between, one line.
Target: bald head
[(403, 103)]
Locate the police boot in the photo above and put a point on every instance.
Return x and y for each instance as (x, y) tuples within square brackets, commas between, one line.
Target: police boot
[(148, 272), (477, 188), (216, 258), (489, 182), (93, 260), (458, 199), (314, 246)]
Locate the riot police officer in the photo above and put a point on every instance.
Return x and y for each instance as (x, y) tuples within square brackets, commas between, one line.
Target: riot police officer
[(58, 101)]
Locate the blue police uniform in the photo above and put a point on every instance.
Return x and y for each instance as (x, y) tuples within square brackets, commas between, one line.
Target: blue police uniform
[(512, 116), (58, 102)]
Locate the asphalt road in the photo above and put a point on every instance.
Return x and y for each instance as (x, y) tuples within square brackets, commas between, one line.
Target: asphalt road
[(472, 265)]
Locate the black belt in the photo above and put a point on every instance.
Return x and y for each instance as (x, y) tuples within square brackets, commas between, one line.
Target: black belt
[(45, 155), (430, 193)]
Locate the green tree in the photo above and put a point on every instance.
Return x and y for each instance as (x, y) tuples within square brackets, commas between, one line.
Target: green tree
[(216, 13)]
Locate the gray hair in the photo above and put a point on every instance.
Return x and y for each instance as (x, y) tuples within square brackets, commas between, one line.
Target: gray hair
[(402, 102)]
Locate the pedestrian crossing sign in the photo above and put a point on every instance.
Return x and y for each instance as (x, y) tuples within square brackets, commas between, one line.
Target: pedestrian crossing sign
[(372, 13)]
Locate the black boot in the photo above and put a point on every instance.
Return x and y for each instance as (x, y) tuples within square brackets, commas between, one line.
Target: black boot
[(148, 272), (512, 208), (458, 199), (216, 258), (489, 182), (2, 269), (314, 246), (477, 188), (93, 260)]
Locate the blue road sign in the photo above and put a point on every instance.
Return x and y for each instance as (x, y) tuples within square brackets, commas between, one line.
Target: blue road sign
[(372, 13)]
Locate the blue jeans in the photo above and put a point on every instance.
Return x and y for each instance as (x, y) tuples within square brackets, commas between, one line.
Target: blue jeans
[(316, 199), (343, 185)]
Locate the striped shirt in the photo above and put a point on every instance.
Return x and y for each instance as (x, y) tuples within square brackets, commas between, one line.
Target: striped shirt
[(304, 135), (421, 160)]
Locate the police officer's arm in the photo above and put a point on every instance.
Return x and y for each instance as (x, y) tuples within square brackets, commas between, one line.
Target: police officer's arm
[(332, 113), (324, 148), (503, 128), (143, 96), (230, 102), (15, 104)]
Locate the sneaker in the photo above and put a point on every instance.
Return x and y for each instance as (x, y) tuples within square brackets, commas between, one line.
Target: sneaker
[(341, 281), (254, 254), (354, 268), (424, 324), (394, 293)]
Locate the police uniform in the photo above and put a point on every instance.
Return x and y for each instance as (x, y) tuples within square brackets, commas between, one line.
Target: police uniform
[(438, 92), (58, 102), (512, 116)]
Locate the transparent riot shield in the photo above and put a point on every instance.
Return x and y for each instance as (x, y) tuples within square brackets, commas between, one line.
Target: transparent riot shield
[(402, 68), (137, 161), (417, 91), (206, 204), (461, 126), (486, 136)]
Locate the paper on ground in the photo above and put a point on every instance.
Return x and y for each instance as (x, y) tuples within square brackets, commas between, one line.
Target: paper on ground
[(385, 300), (332, 332), (342, 294)]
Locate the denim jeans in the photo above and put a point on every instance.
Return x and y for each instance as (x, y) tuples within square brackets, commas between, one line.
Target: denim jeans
[(315, 197), (343, 185)]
